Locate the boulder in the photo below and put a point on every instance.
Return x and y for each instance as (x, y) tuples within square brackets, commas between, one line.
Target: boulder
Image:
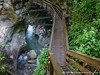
[(32, 54)]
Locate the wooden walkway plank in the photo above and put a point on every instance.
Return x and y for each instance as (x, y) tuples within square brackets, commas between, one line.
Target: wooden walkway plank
[(55, 67), (58, 45)]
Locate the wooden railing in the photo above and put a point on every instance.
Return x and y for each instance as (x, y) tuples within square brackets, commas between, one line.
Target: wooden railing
[(53, 66), (52, 6), (85, 62)]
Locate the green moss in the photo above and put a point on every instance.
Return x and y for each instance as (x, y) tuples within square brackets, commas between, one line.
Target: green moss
[(11, 14), (2, 65), (20, 26)]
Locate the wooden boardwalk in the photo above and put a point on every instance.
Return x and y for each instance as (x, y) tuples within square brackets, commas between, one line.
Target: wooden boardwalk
[(59, 55), (58, 44)]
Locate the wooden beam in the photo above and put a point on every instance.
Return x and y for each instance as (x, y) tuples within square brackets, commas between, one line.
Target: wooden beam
[(43, 24), (42, 17), (36, 10), (1, 2)]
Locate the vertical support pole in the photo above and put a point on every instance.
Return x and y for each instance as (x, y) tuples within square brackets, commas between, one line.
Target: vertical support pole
[(50, 67)]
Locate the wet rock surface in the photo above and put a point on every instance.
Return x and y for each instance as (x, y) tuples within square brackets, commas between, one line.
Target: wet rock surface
[(26, 66), (28, 69), (44, 35)]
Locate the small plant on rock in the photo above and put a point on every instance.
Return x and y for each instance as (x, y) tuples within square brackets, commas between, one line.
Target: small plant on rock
[(43, 63)]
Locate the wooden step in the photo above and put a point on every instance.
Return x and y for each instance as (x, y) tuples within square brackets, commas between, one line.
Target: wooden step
[(66, 70), (1, 2)]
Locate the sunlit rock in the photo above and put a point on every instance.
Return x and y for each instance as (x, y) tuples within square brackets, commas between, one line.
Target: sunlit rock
[(32, 54)]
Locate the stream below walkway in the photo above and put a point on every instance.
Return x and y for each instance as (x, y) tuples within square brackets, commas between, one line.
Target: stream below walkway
[(27, 61)]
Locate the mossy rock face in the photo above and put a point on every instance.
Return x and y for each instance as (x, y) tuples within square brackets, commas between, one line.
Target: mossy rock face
[(11, 14), (20, 26)]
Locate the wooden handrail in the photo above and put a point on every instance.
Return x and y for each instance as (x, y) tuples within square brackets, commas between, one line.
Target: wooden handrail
[(54, 68), (52, 6), (87, 61)]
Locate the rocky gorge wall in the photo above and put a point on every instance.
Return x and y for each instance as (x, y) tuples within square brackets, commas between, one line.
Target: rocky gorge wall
[(10, 36), (12, 33)]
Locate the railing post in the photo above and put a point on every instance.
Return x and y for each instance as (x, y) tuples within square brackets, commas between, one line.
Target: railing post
[(50, 67)]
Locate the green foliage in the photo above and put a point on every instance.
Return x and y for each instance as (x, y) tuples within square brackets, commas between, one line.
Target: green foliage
[(2, 58), (43, 58), (40, 70), (84, 34), (84, 10), (2, 66), (43, 63), (3, 45)]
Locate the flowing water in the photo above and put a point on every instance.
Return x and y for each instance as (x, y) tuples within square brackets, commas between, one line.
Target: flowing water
[(24, 67), (32, 37), (32, 40)]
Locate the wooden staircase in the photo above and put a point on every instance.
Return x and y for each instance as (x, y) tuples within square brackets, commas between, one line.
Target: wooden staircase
[(66, 70), (83, 68)]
